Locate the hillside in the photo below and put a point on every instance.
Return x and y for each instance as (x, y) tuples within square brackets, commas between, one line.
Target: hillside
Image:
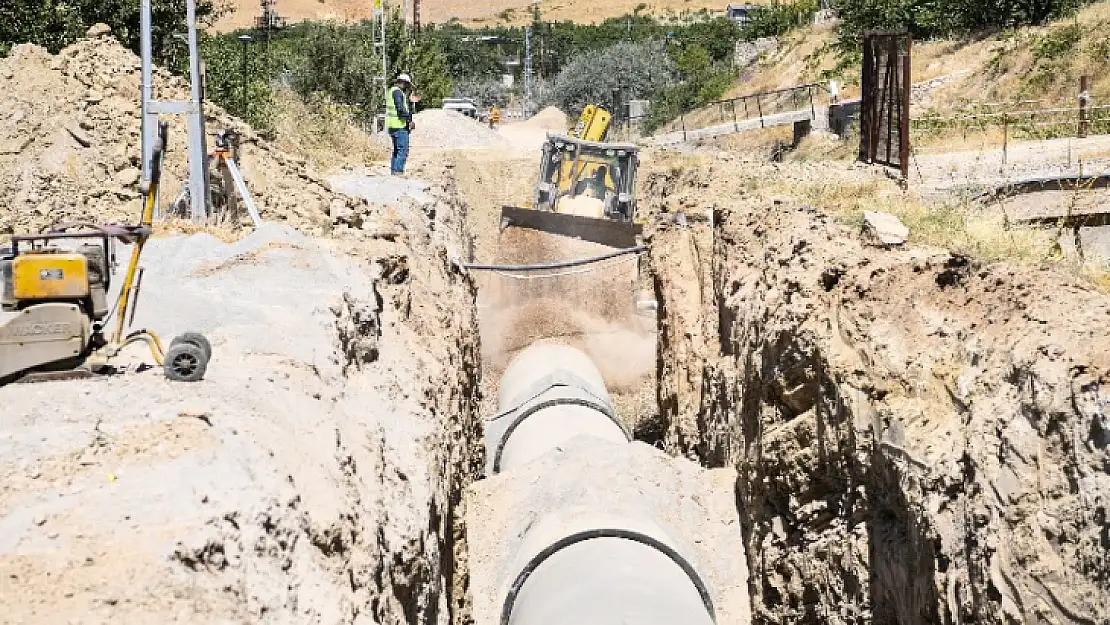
[(1040, 63), (476, 12)]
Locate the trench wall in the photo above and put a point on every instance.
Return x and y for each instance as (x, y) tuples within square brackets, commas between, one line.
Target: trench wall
[(920, 437)]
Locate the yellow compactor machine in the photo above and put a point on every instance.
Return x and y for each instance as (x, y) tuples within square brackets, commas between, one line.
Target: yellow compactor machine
[(55, 303)]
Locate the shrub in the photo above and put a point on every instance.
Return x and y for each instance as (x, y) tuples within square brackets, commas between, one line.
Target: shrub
[(615, 74), (1057, 42)]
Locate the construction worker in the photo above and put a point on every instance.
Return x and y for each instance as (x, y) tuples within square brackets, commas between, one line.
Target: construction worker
[(494, 117), (398, 120)]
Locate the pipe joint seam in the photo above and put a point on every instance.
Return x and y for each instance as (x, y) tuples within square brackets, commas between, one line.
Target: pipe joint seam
[(526, 411), (557, 378), (573, 539)]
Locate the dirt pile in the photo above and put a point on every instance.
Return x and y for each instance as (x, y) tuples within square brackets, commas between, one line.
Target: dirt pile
[(70, 144), (921, 437), (551, 118)]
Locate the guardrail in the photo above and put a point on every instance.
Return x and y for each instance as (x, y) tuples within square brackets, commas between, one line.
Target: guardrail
[(767, 108)]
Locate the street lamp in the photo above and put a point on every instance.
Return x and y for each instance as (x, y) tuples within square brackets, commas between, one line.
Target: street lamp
[(244, 39)]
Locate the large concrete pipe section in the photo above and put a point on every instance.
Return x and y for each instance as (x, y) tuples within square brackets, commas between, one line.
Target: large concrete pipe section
[(580, 567), (549, 395), (582, 544)]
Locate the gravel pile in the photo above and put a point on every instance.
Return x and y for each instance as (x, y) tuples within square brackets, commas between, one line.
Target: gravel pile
[(437, 128)]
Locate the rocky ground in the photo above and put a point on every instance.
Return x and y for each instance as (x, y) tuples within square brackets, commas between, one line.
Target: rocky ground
[(311, 477), (921, 436)]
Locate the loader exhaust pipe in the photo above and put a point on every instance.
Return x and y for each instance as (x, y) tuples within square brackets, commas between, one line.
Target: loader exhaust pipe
[(583, 564)]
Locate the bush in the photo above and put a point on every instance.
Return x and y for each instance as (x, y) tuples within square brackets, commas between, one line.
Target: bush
[(486, 92), (55, 25), (776, 20), (1057, 42), (932, 18), (621, 72)]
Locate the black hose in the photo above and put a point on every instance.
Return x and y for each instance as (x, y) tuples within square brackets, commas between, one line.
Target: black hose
[(557, 265)]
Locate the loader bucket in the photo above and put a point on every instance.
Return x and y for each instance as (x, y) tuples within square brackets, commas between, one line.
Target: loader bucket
[(607, 232)]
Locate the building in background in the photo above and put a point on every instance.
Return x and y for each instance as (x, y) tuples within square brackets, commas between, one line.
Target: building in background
[(742, 13)]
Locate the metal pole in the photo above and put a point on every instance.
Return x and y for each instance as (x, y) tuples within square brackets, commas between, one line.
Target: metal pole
[(198, 172), (1005, 137), (1084, 96), (904, 104), (149, 122), (527, 71)]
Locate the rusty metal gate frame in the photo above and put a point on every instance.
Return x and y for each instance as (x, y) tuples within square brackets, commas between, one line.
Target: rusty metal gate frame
[(885, 107)]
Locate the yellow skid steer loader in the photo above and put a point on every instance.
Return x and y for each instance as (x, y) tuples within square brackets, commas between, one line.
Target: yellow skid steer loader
[(586, 190)]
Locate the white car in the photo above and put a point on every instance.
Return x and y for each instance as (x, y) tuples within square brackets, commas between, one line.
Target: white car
[(466, 106)]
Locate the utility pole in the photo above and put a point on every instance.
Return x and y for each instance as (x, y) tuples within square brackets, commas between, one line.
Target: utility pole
[(149, 122), (416, 16), (192, 109), (528, 72), (380, 49)]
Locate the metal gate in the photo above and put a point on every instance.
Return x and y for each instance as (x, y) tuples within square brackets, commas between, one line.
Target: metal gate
[(885, 114)]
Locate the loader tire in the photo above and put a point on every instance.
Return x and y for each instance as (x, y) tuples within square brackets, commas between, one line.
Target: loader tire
[(196, 338), (185, 362)]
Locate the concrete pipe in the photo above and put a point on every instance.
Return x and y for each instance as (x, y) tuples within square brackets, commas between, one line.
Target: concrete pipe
[(582, 568), (549, 395)]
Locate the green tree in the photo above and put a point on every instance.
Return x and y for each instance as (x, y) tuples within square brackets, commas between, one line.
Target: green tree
[(223, 58), (929, 18), (613, 76), (776, 20), (702, 82), (55, 24), (339, 60)]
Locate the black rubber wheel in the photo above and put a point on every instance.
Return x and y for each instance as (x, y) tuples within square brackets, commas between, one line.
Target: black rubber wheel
[(196, 338), (185, 362)]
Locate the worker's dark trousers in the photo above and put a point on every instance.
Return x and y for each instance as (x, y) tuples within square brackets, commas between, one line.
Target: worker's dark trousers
[(400, 138)]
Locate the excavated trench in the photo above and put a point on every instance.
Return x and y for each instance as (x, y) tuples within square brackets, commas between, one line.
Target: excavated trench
[(873, 435)]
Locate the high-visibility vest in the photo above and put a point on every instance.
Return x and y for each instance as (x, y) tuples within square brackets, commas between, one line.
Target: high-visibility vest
[(393, 121)]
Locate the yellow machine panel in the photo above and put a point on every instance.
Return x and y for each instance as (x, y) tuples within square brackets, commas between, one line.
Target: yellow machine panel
[(593, 124), (50, 276)]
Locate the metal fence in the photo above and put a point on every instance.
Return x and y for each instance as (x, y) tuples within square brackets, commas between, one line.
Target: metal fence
[(759, 107)]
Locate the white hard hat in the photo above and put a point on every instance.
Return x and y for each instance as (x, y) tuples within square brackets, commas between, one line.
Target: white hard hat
[(405, 78)]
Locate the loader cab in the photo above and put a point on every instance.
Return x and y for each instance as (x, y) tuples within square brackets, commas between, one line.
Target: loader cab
[(588, 179)]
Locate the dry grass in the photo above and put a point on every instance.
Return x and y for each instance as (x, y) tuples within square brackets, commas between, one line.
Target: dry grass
[(323, 132), (963, 227), (801, 58)]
